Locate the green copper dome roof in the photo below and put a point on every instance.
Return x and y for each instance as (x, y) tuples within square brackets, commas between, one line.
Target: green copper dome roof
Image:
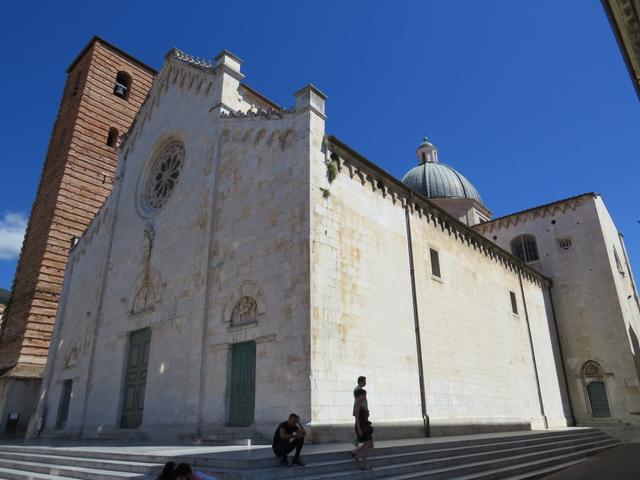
[(438, 180)]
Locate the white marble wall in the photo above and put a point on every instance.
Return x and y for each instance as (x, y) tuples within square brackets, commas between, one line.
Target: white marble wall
[(596, 305), (477, 358)]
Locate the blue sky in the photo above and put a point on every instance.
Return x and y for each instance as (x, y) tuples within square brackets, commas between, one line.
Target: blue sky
[(530, 100)]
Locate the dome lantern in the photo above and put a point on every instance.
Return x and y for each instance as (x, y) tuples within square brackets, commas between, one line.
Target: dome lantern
[(427, 152)]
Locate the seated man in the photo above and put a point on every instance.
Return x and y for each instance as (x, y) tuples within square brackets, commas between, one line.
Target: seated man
[(288, 436)]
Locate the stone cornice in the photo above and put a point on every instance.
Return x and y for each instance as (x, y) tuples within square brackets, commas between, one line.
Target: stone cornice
[(625, 23), (356, 166)]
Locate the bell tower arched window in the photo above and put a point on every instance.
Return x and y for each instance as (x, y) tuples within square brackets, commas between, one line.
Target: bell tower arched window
[(525, 248), (112, 137), (593, 380), (122, 86)]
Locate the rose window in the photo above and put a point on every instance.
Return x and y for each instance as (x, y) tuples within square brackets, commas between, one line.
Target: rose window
[(164, 175)]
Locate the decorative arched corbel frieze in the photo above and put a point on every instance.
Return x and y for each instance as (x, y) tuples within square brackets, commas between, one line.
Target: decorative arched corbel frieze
[(260, 136), (286, 139)]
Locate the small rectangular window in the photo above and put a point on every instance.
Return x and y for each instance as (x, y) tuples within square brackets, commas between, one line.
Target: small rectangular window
[(435, 263), (63, 406), (514, 303)]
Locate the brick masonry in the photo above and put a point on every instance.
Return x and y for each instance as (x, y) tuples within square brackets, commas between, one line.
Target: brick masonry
[(76, 179)]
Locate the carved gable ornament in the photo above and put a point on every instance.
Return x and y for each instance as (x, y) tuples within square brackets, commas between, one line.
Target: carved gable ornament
[(245, 305), (147, 293)]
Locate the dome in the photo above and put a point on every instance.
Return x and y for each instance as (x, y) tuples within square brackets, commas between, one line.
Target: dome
[(438, 180)]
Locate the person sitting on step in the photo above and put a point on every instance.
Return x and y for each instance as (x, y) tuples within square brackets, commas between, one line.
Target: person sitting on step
[(289, 436)]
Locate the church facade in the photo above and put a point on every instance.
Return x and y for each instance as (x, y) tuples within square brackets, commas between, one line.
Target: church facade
[(247, 264)]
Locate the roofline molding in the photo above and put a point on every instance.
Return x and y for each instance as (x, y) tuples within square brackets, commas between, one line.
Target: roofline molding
[(517, 215), (97, 39)]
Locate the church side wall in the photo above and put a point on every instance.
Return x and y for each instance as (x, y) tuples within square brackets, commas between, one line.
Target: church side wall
[(477, 359), (625, 295), (593, 312), (476, 351), (361, 312)]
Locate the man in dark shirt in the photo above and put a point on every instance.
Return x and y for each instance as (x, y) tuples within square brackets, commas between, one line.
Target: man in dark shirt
[(288, 436)]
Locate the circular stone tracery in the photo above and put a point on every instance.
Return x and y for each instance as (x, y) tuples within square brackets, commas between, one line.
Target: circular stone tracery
[(164, 175)]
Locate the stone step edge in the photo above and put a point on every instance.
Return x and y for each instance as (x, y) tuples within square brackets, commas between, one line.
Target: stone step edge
[(25, 475), (198, 460), (582, 456), (109, 464), (379, 472), (543, 472), (470, 476), (21, 474), (509, 436), (514, 457), (72, 472), (547, 447), (46, 458)]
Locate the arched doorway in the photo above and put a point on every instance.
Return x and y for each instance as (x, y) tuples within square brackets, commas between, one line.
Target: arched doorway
[(595, 386)]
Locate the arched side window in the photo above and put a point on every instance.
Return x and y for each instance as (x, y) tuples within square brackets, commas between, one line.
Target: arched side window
[(112, 137), (593, 380), (525, 248), (122, 87)]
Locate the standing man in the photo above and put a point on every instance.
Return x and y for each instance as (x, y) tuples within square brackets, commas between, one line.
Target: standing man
[(288, 436), (362, 382), (364, 430)]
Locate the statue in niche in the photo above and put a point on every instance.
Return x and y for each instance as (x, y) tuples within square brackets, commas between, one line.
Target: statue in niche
[(244, 311), (149, 233)]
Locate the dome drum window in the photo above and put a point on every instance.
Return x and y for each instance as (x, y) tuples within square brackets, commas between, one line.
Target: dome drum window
[(163, 176)]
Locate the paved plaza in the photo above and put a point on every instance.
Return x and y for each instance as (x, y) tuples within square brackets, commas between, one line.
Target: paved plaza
[(618, 463)]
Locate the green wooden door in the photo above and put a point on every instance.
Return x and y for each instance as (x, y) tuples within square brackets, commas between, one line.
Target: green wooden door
[(598, 399), (243, 384), (135, 378)]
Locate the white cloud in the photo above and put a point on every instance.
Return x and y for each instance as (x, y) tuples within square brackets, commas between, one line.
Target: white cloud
[(12, 228)]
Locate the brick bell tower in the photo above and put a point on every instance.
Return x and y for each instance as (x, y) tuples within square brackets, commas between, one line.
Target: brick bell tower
[(104, 90)]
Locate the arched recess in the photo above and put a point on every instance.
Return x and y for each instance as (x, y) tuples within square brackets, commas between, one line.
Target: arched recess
[(595, 389)]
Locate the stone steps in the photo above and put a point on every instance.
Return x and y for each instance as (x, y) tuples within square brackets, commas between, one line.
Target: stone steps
[(451, 468), (524, 455)]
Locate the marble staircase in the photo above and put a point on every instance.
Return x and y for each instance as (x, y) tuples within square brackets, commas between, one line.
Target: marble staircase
[(510, 456)]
